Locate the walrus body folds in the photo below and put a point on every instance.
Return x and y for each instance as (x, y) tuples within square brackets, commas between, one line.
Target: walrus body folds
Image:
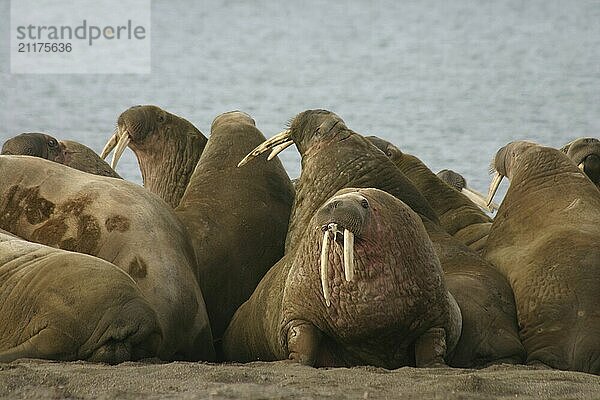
[(362, 286)]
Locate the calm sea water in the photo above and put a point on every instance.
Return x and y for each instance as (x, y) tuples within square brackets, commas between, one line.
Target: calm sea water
[(450, 82)]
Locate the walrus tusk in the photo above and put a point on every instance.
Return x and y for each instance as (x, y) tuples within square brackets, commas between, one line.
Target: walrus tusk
[(112, 142), (121, 145), (581, 166), (479, 200), (325, 266), (279, 149), (494, 187), (280, 138), (348, 255)]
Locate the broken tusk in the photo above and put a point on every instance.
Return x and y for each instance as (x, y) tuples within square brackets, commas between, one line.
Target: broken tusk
[(348, 255), (324, 267), (275, 141)]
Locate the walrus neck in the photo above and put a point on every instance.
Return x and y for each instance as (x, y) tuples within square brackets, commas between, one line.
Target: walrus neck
[(167, 172), (455, 211)]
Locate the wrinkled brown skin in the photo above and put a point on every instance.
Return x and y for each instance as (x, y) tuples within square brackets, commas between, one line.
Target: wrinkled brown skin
[(117, 221), (167, 148), (61, 305), (81, 157), (396, 312), (490, 332), (67, 152), (237, 218), (586, 151), (335, 157), (34, 144), (457, 214), (545, 241)]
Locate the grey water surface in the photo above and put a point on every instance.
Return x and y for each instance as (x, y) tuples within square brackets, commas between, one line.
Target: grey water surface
[(450, 82)]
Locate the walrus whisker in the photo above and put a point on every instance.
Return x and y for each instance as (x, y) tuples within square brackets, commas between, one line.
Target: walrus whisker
[(112, 142), (348, 255), (121, 145), (494, 187), (325, 266), (278, 149), (267, 145), (480, 200)]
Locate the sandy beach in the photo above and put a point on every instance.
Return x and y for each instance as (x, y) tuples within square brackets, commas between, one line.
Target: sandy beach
[(283, 380)]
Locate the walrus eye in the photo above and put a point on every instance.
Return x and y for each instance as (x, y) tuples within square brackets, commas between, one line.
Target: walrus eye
[(364, 203), (52, 143), (161, 118)]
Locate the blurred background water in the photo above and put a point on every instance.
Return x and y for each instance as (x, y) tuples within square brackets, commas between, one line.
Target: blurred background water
[(450, 82)]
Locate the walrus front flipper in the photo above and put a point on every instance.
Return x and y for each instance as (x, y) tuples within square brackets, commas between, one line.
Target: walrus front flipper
[(430, 349), (48, 344), (303, 340)]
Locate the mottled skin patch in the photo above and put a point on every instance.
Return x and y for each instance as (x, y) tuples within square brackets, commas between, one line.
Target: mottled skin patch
[(51, 232), (25, 201), (137, 268), (77, 204), (88, 235), (117, 223)]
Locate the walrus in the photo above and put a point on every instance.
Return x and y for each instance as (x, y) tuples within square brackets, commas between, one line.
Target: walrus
[(67, 152), (335, 157), (166, 146), (459, 183), (585, 153), (362, 286), (237, 218), (120, 222), (67, 306), (490, 332), (457, 213), (544, 239)]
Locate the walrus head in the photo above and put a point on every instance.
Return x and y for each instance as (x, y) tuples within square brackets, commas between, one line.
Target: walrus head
[(142, 127), (167, 148), (585, 153), (305, 128), (341, 218), (34, 144), (503, 164)]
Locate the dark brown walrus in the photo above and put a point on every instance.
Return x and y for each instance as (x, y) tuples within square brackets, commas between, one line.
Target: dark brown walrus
[(585, 153), (362, 286), (544, 239), (117, 221), (490, 332), (61, 305), (167, 148), (237, 218), (335, 157), (67, 152)]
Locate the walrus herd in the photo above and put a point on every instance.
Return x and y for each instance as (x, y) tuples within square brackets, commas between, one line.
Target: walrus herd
[(368, 258)]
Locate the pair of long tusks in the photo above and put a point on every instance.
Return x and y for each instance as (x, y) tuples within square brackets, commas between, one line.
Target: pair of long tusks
[(277, 143), (479, 199), (348, 258), (494, 187), (119, 142)]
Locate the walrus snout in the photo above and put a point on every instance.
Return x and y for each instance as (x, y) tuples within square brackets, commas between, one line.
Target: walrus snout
[(342, 218)]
